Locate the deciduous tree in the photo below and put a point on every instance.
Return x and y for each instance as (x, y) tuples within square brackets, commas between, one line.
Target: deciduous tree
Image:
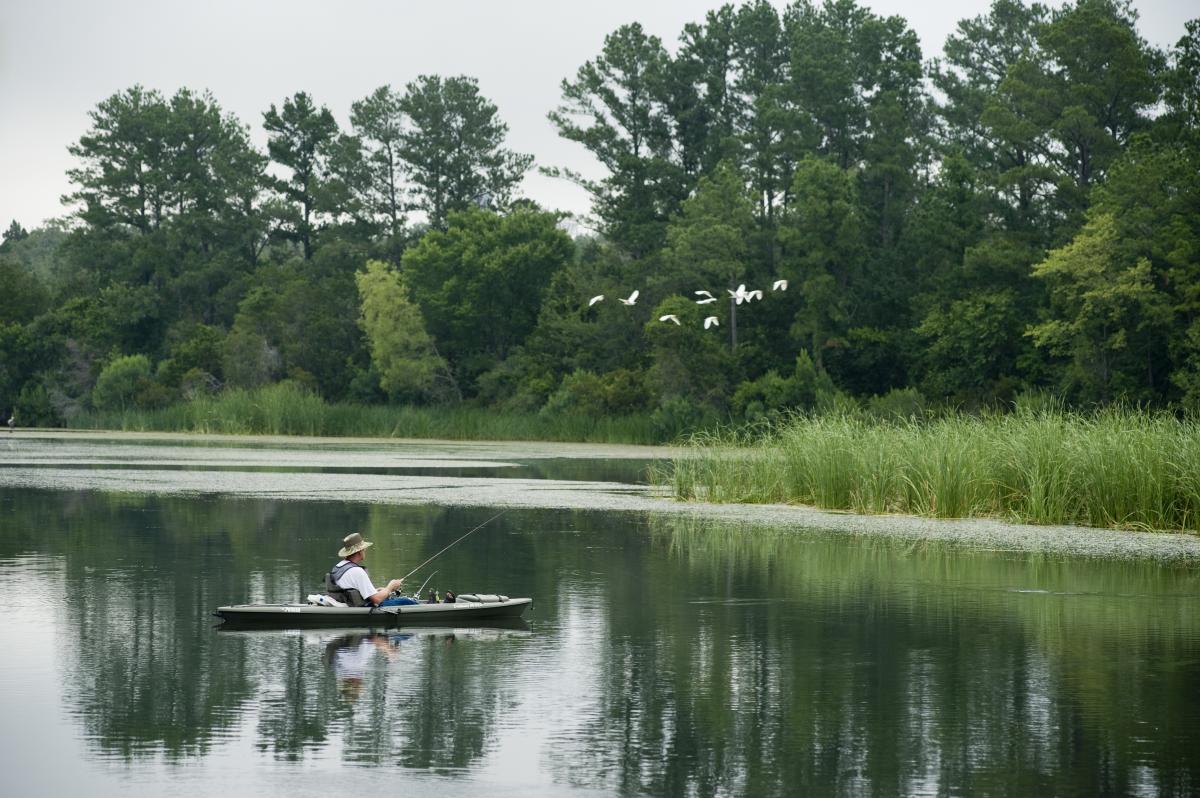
[(410, 368)]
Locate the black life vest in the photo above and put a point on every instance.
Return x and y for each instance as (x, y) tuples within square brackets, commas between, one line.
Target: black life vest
[(346, 595)]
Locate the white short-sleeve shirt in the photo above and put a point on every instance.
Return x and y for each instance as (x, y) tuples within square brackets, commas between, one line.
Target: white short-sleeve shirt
[(357, 579)]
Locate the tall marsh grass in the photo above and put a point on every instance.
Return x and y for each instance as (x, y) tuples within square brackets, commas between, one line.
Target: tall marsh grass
[(1114, 468), (284, 409)]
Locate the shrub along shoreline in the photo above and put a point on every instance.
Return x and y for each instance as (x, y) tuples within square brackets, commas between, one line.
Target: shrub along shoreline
[(286, 409), (1113, 468)]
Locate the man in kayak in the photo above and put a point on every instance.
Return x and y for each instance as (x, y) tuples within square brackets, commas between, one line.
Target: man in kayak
[(348, 581)]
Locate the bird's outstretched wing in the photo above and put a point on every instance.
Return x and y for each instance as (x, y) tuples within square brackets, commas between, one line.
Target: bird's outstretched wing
[(595, 299)]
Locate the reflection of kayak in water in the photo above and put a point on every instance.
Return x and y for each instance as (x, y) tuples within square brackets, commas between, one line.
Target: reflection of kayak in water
[(460, 612), (497, 629)]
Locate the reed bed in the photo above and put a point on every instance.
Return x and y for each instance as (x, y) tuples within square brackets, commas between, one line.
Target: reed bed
[(286, 410), (1113, 468)]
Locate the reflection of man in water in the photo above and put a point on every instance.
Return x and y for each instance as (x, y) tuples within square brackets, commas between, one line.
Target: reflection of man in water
[(350, 657), (348, 581)]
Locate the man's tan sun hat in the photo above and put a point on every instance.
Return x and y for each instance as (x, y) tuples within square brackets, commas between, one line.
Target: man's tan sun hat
[(353, 542)]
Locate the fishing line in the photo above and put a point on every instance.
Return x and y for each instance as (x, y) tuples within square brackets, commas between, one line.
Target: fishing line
[(439, 554)]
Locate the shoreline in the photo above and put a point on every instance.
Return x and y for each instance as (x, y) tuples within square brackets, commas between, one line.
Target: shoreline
[(542, 494), (529, 448)]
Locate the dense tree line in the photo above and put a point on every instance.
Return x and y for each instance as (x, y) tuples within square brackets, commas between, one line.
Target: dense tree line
[(1020, 213)]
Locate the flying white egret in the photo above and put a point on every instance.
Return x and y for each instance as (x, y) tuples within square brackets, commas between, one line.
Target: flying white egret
[(779, 285), (595, 299), (702, 292), (755, 294), (706, 301), (739, 296), (712, 321), (669, 317), (631, 301)]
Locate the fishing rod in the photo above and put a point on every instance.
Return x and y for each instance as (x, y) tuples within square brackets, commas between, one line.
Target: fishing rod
[(443, 551), (421, 589)]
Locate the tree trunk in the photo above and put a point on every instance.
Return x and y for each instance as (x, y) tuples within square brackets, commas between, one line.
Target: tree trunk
[(733, 324)]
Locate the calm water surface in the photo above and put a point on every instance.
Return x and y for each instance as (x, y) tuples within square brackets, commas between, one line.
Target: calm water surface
[(662, 657)]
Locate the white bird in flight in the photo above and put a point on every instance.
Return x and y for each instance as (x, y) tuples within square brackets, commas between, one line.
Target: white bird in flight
[(779, 285), (706, 301), (739, 296), (755, 294), (631, 301), (712, 321), (669, 317), (702, 292), (595, 299)]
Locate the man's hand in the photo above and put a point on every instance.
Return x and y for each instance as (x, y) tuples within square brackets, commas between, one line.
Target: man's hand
[(395, 585)]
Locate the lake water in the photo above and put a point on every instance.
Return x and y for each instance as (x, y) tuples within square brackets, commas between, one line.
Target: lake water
[(664, 655)]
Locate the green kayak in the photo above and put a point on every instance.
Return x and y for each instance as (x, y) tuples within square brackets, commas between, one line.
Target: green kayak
[(288, 615)]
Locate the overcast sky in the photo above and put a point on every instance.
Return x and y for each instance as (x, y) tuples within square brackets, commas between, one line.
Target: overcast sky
[(58, 59)]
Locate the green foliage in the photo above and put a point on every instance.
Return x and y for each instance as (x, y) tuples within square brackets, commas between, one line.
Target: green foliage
[(807, 388), (248, 360), (618, 393), (618, 107), (409, 367), (970, 347), (1108, 315), (148, 160), (37, 251), (1181, 122), (124, 382), (570, 334), (22, 355), (687, 361), (452, 148), (22, 297), (480, 283), (678, 417), (709, 242), (35, 407), (198, 350), (897, 404), (823, 250), (299, 315), (579, 393), (12, 236), (378, 123), (303, 139)]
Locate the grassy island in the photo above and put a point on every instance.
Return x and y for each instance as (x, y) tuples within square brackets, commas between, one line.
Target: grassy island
[(1114, 468)]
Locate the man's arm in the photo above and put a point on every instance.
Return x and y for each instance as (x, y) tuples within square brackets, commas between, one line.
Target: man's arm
[(385, 591)]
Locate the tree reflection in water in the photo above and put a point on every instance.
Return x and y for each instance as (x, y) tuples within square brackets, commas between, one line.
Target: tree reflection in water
[(668, 657)]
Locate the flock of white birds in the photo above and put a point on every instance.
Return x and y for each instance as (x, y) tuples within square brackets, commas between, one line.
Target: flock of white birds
[(739, 296)]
